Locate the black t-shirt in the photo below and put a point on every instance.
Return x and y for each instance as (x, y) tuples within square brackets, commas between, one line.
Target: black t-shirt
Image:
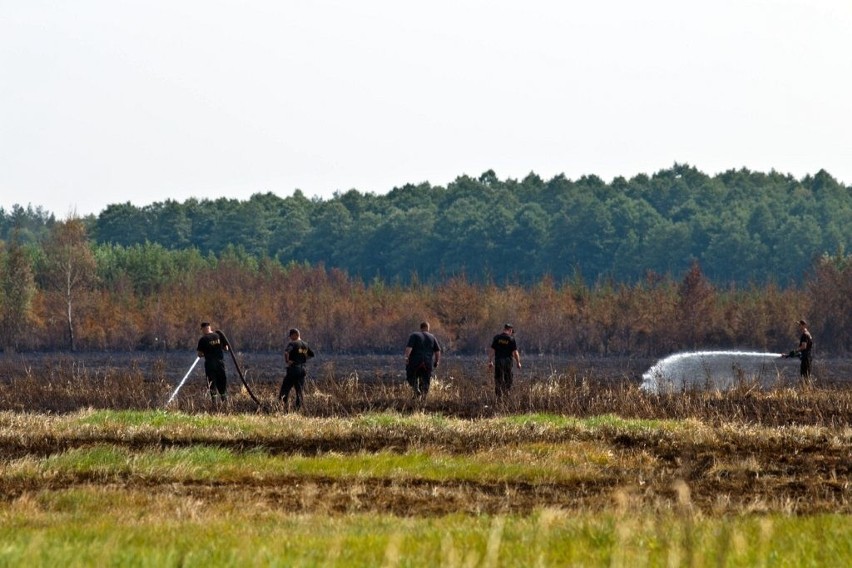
[(503, 345), (423, 345), (212, 345), (298, 352), (808, 340)]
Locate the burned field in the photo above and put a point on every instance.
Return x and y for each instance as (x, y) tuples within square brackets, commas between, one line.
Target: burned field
[(575, 436)]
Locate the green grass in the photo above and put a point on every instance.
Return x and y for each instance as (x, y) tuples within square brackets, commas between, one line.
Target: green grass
[(155, 488), (102, 527), (533, 463), (152, 426)]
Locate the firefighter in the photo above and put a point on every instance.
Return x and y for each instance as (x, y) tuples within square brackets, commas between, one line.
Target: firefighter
[(503, 351), (296, 354)]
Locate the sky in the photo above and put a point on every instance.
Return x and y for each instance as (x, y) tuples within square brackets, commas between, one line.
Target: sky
[(113, 101)]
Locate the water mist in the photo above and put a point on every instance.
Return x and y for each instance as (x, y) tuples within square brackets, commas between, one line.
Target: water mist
[(721, 370)]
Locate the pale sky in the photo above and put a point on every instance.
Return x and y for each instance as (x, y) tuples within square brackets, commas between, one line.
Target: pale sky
[(109, 101)]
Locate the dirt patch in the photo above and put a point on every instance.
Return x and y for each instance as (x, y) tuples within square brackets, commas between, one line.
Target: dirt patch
[(713, 495), (731, 477)]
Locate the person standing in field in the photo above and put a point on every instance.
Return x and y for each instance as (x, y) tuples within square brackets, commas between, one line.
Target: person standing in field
[(296, 354), (805, 349), (502, 352), (422, 356), (212, 347)]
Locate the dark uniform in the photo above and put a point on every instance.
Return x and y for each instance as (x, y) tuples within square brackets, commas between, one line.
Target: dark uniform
[(297, 354), (418, 369), (806, 353), (504, 346), (212, 347)]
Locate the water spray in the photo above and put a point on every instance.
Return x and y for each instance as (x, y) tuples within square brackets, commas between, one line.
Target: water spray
[(710, 370), (183, 380)]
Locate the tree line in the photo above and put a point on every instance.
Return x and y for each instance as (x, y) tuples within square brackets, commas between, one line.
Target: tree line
[(740, 226), (67, 291)]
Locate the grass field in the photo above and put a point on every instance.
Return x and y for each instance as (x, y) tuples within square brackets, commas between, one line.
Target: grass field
[(162, 488), (572, 472)]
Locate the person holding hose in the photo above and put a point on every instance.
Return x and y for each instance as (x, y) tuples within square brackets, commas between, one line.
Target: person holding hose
[(212, 347), (296, 354), (804, 350)]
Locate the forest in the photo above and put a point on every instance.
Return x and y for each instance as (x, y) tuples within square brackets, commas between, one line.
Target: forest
[(650, 265), (742, 227)]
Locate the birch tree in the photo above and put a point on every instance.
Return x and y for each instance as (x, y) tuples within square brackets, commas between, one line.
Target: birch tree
[(69, 269)]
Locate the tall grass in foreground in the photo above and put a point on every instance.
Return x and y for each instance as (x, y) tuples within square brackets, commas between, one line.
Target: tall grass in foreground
[(161, 488), (104, 527)]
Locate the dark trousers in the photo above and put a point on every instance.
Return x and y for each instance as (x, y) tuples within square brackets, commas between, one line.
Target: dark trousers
[(419, 376), (805, 366), (217, 380), (293, 379), (502, 376)]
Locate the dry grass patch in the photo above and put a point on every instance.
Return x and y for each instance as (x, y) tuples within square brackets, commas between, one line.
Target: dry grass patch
[(540, 459)]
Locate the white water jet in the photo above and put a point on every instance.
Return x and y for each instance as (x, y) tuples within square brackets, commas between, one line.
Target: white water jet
[(700, 370), (183, 380)]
